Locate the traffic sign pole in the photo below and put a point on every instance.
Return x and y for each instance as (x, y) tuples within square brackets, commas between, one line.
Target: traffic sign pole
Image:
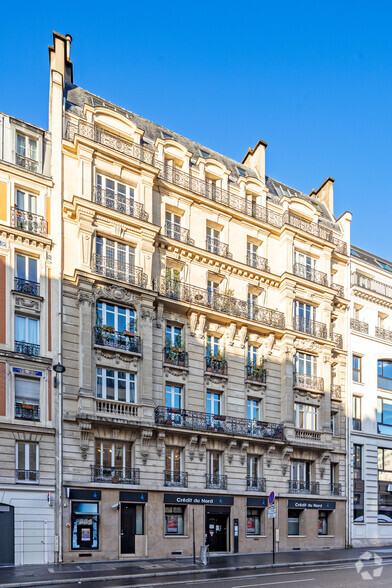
[(272, 515)]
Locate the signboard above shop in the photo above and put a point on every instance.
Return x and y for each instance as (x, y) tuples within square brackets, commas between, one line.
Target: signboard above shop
[(320, 504), (197, 499)]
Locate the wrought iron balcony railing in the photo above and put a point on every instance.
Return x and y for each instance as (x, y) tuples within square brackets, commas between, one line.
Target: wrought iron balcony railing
[(216, 246), (26, 348), (301, 487), (308, 382), (257, 262), (256, 373), (310, 327), (26, 286), (338, 340), (216, 365), (336, 489), (174, 231), (98, 135), (120, 203), (27, 412), (336, 392), (383, 334), (176, 356), (115, 475), (256, 484), (177, 290), (203, 421), (26, 162), (117, 340), (179, 479), (28, 222), (27, 476), (118, 270), (308, 273), (359, 326), (338, 289), (371, 284), (216, 481)]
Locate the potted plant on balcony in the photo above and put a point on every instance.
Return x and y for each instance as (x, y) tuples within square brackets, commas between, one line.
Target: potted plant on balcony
[(27, 405), (108, 328)]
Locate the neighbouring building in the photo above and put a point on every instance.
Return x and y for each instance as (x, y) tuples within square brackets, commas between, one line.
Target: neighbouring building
[(28, 345), (370, 402), (204, 318)]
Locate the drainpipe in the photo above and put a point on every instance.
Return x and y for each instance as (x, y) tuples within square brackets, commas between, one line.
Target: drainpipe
[(348, 416)]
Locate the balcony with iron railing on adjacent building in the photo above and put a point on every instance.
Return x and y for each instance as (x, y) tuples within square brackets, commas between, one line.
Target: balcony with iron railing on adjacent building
[(115, 475), (309, 273), (257, 262), (217, 423), (120, 202), (27, 163), (118, 270), (27, 411), (26, 286), (214, 245), (31, 476), (175, 355), (28, 222), (310, 327), (119, 340), (216, 365), (111, 140), (306, 382), (359, 326), (27, 348), (178, 233), (336, 489), (371, 284), (384, 334), (176, 479), (216, 481), (303, 487), (182, 292), (255, 484)]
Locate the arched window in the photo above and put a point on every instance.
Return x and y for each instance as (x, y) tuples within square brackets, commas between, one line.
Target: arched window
[(384, 371)]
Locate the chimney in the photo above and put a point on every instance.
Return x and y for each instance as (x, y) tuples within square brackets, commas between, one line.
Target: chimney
[(255, 158), (325, 193), (60, 56)]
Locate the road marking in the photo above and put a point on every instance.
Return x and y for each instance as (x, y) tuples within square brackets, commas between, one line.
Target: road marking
[(274, 583)]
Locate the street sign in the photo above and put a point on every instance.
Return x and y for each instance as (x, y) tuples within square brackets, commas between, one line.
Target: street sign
[(271, 512), (271, 498)]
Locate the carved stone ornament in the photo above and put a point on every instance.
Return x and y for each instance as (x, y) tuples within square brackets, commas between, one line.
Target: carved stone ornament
[(306, 395), (216, 382), (85, 428), (192, 447), (244, 449), (193, 323), (27, 303), (116, 293), (85, 297), (159, 315), (268, 455), (306, 345), (231, 333), (147, 314), (160, 443), (287, 451), (145, 448), (243, 336), (202, 447), (202, 325), (269, 343), (323, 460), (178, 373), (230, 451)]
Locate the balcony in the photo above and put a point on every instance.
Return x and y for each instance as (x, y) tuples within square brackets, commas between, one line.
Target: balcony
[(255, 373), (255, 484), (338, 289), (118, 340), (177, 290), (216, 365), (106, 474), (370, 284), (306, 382), (174, 231), (308, 273), (175, 356), (120, 203), (257, 262), (336, 489), (26, 411), (216, 246), (304, 434), (227, 425), (26, 286), (27, 476), (383, 334), (107, 139), (336, 392), (118, 270), (310, 327), (297, 487), (359, 326), (28, 222), (27, 348), (338, 340), (216, 482), (116, 409), (176, 479), (26, 162)]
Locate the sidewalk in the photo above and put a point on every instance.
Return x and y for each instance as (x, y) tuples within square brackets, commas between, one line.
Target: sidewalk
[(41, 575)]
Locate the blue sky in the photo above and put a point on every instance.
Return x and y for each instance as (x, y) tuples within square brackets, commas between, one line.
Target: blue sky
[(313, 79)]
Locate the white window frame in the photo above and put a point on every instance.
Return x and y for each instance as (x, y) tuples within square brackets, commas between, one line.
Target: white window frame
[(253, 409), (27, 445), (308, 414), (28, 139), (129, 314), (170, 452), (27, 259), (26, 338), (106, 244), (304, 259), (215, 402), (113, 456), (174, 395), (30, 201), (305, 364), (171, 335), (130, 382), (301, 466), (253, 463), (212, 455)]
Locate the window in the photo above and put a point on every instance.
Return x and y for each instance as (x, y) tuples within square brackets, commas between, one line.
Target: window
[(117, 318), (213, 240), (27, 462), (26, 152), (115, 260), (214, 463), (174, 520), (173, 225), (252, 355), (173, 336), (333, 423), (357, 462), (253, 472), (173, 466), (85, 525), (385, 464), (384, 484), (293, 517), (26, 335), (323, 522), (252, 251), (306, 416), (304, 260), (115, 195), (384, 416), (300, 476), (305, 364), (114, 385), (385, 265), (211, 188), (26, 202), (253, 409), (26, 274), (357, 410), (173, 397), (213, 403), (357, 376), (173, 287), (384, 371), (27, 398), (213, 346), (112, 460), (253, 523), (253, 300), (304, 317), (213, 293)]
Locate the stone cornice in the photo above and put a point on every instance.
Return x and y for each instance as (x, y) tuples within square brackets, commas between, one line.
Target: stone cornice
[(31, 239), (371, 296)]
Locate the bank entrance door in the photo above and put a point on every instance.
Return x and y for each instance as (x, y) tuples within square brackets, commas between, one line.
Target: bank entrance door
[(217, 531), (128, 528), (7, 534)]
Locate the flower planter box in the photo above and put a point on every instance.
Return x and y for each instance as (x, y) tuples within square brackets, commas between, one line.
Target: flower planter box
[(128, 334), (28, 406), (115, 480)]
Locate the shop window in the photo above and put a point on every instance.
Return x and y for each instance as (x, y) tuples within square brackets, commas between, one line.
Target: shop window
[(293, 517), (85, 525), (358, 505), (174, 520), (254, 521), (323, 522)]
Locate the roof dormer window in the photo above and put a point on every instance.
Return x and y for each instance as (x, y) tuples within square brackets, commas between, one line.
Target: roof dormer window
[(26, 152)]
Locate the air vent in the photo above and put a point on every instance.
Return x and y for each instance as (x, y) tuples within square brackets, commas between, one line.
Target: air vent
[(176, 552)]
